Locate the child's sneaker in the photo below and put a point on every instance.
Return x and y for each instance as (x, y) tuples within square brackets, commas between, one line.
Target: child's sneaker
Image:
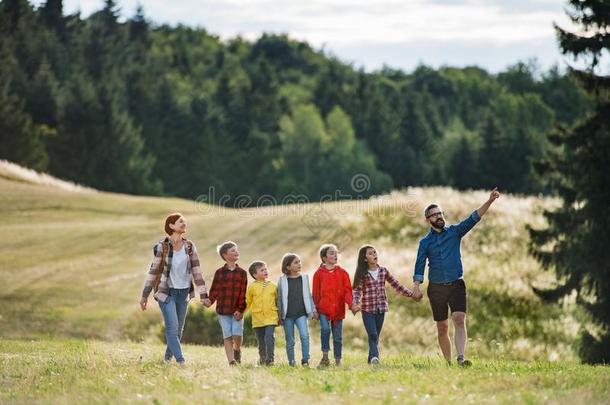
[(232, 363), (237, 355)]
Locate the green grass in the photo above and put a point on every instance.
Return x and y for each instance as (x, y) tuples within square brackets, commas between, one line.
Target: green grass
[(76, 371)]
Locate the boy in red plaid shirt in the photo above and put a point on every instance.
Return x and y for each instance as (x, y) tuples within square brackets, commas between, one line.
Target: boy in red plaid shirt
[(229, 292), (370, 296)]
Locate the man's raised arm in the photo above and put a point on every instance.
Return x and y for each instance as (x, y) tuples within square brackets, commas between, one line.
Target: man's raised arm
[(495, 194)]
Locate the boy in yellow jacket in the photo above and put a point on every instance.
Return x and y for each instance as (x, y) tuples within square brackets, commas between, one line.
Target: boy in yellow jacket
[(261, 298)]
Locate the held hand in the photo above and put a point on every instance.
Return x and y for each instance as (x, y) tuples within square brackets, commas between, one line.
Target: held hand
[(316, 316), (494, 195), (238, 315), (417, 294), (143, 303), (206, 302)]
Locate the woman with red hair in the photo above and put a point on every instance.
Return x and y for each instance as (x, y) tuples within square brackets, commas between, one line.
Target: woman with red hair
[(174, 270)]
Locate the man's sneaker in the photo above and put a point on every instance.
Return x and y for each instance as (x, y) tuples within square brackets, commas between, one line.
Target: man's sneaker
[(464, 363), (232, 363), (237, 355), (375, 361), (324, 362), (304, 363)]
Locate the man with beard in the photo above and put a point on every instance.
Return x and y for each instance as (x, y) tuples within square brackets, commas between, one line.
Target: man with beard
[(447, 290)]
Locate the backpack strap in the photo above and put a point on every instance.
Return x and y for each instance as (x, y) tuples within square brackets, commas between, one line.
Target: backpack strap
[(164, 252)]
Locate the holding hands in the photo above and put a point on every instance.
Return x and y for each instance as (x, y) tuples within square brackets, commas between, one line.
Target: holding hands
[(417, 294), (238, 315), (356, 308), (206, 302)]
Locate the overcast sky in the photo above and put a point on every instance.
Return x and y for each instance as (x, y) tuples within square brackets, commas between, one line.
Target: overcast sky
[(399, 33)]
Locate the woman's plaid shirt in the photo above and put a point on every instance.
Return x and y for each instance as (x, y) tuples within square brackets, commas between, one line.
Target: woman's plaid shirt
[(163, 289), (372, 292)]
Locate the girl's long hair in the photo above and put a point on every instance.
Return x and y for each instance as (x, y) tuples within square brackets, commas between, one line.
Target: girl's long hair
[(287, 261), (361, 267)]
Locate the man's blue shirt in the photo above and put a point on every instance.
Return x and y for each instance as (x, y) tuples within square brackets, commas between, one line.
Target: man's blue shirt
[(442, 249)]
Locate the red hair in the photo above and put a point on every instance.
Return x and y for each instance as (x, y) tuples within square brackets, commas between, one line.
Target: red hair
[(170, 220)]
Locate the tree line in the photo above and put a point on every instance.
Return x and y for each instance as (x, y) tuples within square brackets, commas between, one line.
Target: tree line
[(130, 106)]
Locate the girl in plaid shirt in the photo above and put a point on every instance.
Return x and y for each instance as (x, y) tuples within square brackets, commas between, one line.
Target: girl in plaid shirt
[(370, 296)]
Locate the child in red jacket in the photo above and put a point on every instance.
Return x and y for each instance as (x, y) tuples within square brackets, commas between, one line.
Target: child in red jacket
[(331, 291)]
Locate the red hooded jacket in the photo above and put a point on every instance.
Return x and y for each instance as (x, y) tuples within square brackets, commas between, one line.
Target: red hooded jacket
[(331, 291)]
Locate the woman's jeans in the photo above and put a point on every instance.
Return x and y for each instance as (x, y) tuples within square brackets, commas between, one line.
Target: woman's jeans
[(336, 327), (373, 322), (174, 313), (301, 323)]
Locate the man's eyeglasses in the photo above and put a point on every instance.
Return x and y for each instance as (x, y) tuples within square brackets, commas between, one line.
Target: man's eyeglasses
[(435, 214)]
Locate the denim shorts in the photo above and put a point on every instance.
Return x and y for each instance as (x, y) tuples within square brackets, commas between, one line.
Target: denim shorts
[(230, 326)]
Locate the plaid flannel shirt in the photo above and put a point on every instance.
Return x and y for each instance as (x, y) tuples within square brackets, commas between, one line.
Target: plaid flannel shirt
[(372, 292), (228, 290), (193, 267)]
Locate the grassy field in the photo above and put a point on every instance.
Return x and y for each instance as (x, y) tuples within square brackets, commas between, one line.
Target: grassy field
[(75, 259), (78, 371)]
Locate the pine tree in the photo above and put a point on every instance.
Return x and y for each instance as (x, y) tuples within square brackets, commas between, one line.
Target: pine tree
[(51, 15), (521, 151), (97, 143), (463, 165), (575, 243), (20, 140), (494, 157)]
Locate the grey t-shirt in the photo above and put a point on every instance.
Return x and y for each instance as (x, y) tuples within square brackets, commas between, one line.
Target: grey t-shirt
[(296, 305)]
